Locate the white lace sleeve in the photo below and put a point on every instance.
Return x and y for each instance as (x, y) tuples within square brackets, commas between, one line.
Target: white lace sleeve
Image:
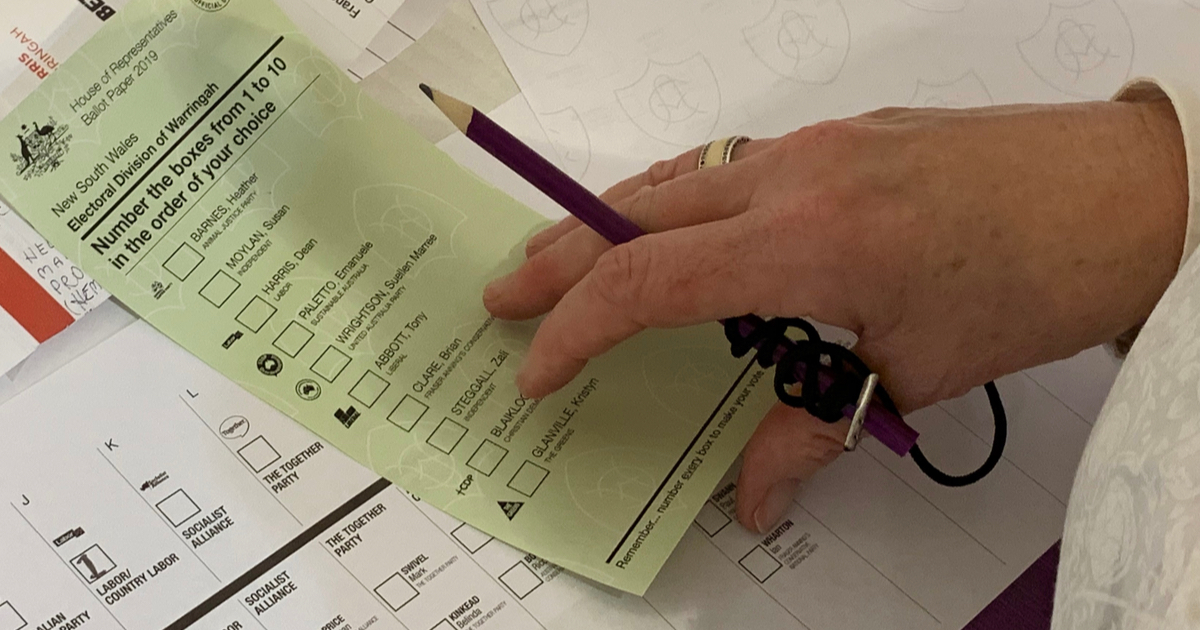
[(1131, 546), (1187, 110)]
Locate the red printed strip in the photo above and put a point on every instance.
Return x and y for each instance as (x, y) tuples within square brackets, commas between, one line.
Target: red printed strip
[(28, 302)]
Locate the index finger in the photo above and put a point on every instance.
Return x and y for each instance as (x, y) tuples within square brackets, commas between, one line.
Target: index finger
[(670, 279)]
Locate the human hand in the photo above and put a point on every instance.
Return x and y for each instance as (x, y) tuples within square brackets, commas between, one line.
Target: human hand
[(958, 245)]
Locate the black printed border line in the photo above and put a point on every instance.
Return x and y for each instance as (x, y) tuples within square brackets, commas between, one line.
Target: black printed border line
[(682, 457), (181, 138), (283, 553)]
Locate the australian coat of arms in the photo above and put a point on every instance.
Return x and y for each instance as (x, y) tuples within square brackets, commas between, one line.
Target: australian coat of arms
[(42, 148)]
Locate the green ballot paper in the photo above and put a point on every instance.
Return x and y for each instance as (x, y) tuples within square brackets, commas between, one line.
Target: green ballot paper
[(213, 170)]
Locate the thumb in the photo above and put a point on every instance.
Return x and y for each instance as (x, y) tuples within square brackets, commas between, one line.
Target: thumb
[(788, 448)]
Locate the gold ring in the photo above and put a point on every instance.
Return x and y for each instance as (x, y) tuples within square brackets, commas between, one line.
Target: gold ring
[(723, 148)]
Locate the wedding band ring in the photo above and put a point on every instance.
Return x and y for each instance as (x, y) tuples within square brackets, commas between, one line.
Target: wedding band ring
[(719, 152)]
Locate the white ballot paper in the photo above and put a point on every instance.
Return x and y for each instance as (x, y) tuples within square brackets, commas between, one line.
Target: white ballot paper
[(143, 490), (617, 84)]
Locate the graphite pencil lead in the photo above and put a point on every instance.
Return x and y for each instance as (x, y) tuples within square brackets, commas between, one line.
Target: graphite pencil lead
[(458, 112)]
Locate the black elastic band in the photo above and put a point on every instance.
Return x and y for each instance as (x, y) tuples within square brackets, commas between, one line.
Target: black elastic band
[(998, 440), (803, 362)]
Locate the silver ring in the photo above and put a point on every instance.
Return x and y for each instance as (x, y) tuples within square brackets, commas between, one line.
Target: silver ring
[(719, 152)]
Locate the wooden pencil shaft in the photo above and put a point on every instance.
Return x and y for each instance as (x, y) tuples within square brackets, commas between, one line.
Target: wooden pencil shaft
[(535, 169), (546, 177)]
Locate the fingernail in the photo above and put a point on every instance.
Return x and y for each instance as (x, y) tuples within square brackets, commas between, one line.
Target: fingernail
[(492, 291), (524, 378), (535, 242), (779, 498)]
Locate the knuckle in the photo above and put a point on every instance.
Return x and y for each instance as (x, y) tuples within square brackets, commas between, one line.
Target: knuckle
[(884, 113), (535, 244), (640, 207), (824, 133), (808, 217), (838, 165), (621, 276), (826, 440), (662, 170)]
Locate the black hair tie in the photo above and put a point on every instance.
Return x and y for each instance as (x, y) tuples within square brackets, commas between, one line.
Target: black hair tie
[(804, 361)]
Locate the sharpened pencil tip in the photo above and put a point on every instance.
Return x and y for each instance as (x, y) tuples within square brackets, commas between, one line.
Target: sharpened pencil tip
[(459, 113)]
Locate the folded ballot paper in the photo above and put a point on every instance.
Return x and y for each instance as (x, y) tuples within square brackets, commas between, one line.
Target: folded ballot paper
[(211, 168)]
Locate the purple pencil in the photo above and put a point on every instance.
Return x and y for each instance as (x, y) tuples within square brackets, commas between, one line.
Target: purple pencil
[(888, 427)]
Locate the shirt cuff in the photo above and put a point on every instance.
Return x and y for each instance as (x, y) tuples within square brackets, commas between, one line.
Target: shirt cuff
[(1187, 110)]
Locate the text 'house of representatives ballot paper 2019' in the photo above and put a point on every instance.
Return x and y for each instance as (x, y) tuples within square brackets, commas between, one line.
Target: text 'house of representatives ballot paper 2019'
[(213, 170)]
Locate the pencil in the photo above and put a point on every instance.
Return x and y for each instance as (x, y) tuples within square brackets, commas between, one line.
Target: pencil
[(535, 169), (888, 427)]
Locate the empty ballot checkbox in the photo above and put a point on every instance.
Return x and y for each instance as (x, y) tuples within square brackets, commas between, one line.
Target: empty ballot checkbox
[(487, 457), (293, 339), (183, 262), (218, 290), (259, 454), (10, 619), (711, 519), (396, 592), (528, 478), (521, 580), (330, 364), (760, 564), (178, 507), (408, 413), (470, 538), (443, 625), (255, 315), (447, 436), (369, 388)]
